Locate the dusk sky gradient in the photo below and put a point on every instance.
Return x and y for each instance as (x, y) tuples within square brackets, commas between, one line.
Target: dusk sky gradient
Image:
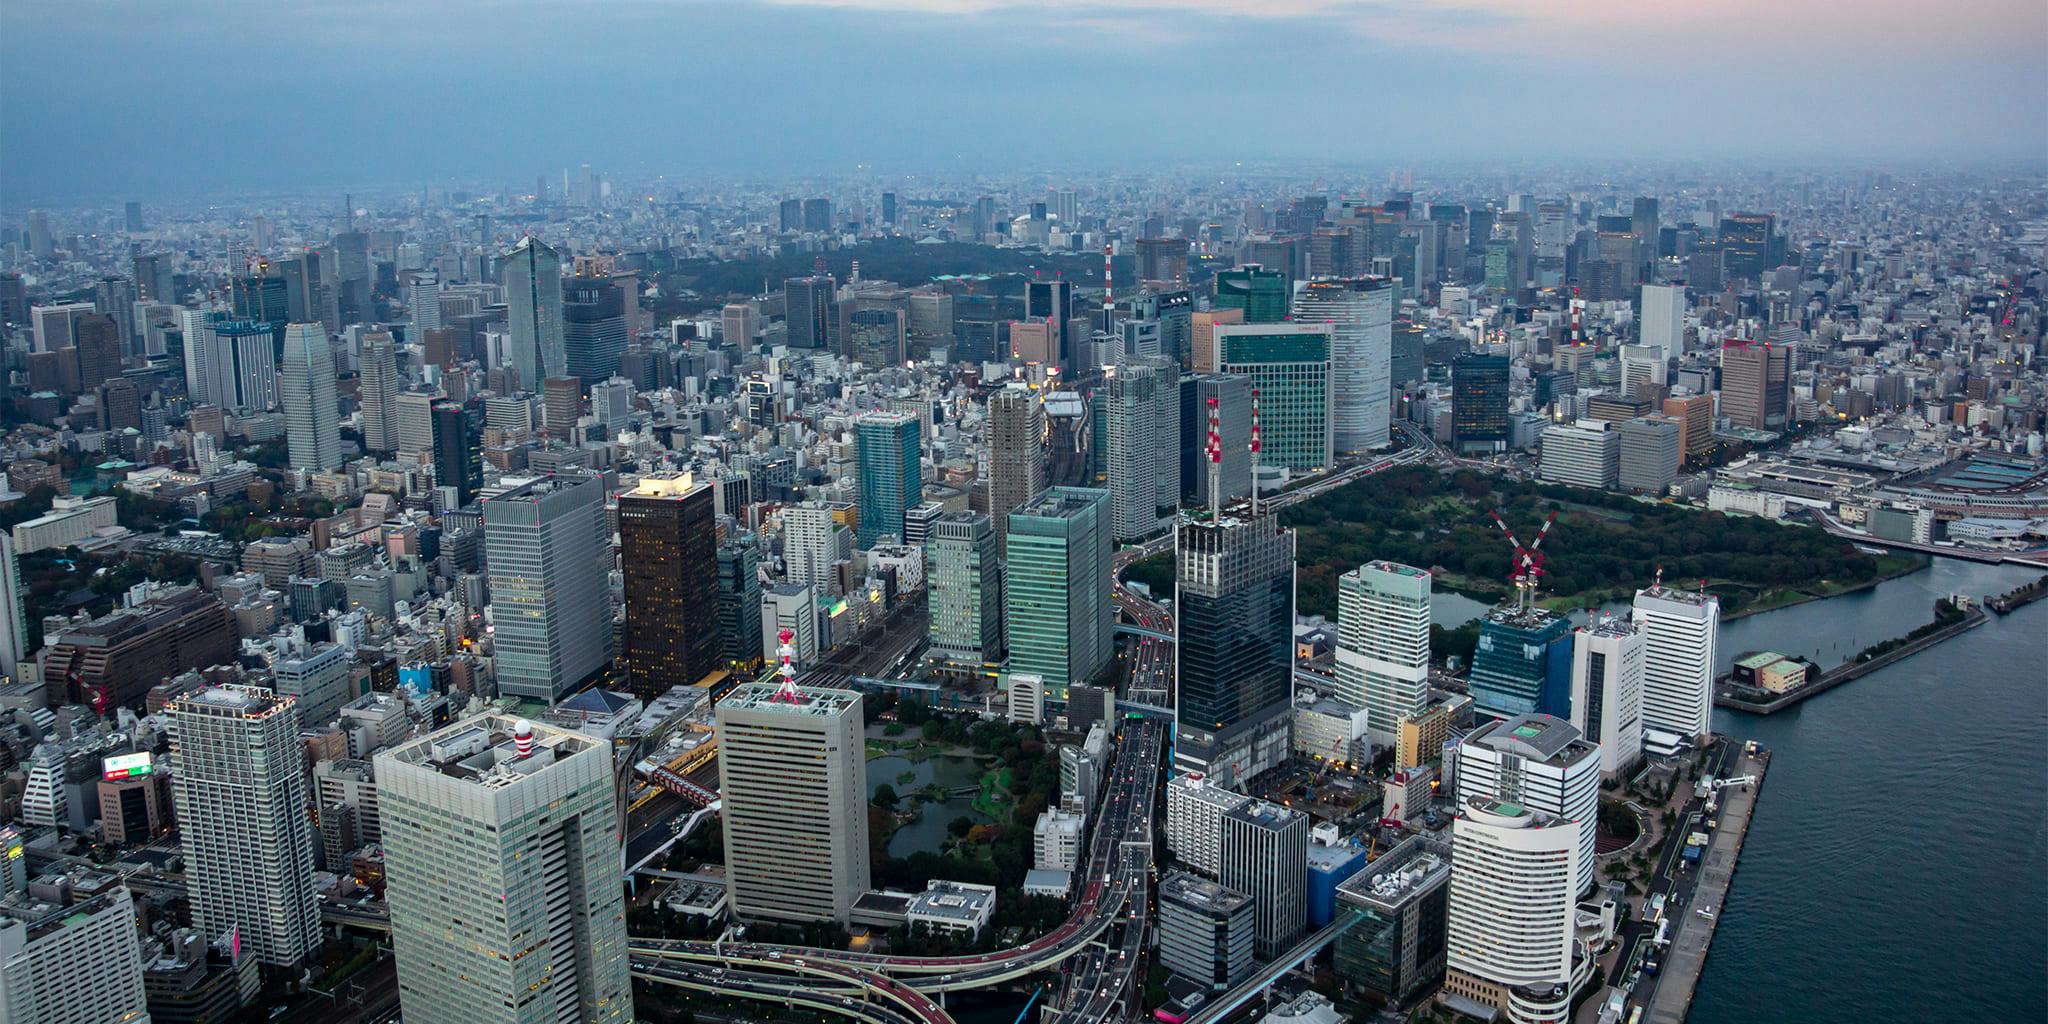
[(150, 100)]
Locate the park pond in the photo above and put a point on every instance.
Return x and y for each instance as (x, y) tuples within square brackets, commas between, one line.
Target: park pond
[(950, 772)]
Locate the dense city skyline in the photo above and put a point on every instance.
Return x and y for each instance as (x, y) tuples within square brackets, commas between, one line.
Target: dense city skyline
[(161, 101)]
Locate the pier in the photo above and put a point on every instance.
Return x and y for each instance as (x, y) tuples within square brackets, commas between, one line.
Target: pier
[(1727, 696), (1694, 930)]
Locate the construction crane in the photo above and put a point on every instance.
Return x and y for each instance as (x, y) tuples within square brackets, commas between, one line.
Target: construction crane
[(1527, 570)]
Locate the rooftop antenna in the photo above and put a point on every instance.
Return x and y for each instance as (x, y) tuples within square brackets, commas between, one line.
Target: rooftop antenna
[(1255, 452), (787, 693), (1108, 293), (1214, 449)]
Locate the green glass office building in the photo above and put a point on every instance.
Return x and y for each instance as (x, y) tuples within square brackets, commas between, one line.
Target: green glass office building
[(1289, 365), (1262, 293), (1057, 617), (891, 479)]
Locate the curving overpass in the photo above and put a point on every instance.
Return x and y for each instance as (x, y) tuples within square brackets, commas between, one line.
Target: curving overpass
[(825, 987)]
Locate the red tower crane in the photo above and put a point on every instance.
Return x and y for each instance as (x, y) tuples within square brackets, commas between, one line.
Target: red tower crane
[(1527, 570)]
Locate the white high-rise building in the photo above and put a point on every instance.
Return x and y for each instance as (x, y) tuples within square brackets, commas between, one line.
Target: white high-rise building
[(1664, 319), (1510, 928), (413, 424), (1361, 314), (548, 544), (209, 367), (240, 791), (1142, 448), (423, 299), (535, 343), (306, 390), (1642, 370), (78, 964), (1265, 854), (501, 857), (1383, 644), (1194, 819), (378, 386), (1607, 692), (810, 542), (793, 779), (1683, 631), (1583, 454), (1541, 763), (13, 626)]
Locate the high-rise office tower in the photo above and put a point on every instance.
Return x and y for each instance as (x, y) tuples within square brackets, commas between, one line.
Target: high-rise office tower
[(1289, 367), (413, 433), (875, 337), (1682, 635), (812, 539), (1205, 930), (1542, 763), (1664, 319), (13, 622), (789, 215), (668, 551), (458, 454), (561, 406), (1202, 336), (1523, 663), (1750, 244), (739, 601), (1608, 660), (549, 550), (965, 577), (501, 859), (1016, 455), (1479, 403), (889, 208), (1264, 852), (1260, 293), (1231, 396), (1649, 454), (792, 773), (240, 792), (1582, 454), (739, 322), (1360, 312), (97, 353), (352, 279), (132, 217), (1514, 873), (71, 964), (378, 384), (891, 472), (818, 214), (1053, 302), (1233, 601), (594, 330), (532, 273), (1383, 644), (1755, 379), (1057, 615), (1142, 448), (807, 310), (306, 390)]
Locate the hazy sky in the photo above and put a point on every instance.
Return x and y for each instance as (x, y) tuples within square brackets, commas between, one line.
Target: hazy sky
[(151, 99)]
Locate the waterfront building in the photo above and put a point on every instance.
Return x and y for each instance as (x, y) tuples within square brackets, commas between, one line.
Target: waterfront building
[(1541, 763), (1681, 629), (1510, 943), (1608, 661), (1523, 663)]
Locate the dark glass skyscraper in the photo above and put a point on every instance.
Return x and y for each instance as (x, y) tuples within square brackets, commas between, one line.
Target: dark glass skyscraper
[(1523, 663), (891, 479), (458, 456), (1479, 403), (594, 332), (1263, 294), (807, 310), (668, 546), (1234, 627)]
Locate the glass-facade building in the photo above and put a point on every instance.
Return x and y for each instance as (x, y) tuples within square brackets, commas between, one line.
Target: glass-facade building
[(1058, 620), (1289, 365), (891, 479), (1479, 403), (1260, 292), (1523, 664), (1234, 631)]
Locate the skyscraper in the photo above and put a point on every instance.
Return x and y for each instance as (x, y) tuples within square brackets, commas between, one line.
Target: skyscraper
[(807, 310), (1260, 293), (1142, 448), (812, 539), (501, 859), (875, 337), (1234, 634), (70, 964), (306, 390), (13, 623), (1682, 635), (891, 473), (739, 601), (1231, 397), (1541, 763), (792, 774), (1749, 244), (1664, 319), (1057, 615), (458, 455), (965, 577), (1264, 852), (532, 273), (1016, 455), (1755, 380), (377, 387), (1383, 644), (549, 550), (1479, 403), (594, 330), (668, 551), (1523, 663), (240, 792), (1607, 692), (1289, 367), (1514, 875), (1582, 454), (1360, 311)]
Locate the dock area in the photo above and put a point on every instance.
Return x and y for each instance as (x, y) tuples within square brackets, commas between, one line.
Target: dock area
[(1694, 931), (1724, 695)]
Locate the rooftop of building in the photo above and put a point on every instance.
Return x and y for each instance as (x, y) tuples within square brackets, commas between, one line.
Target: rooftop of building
[(1533, 619), (1534, 737), (1410, 870), (814, 701), (1759, 659), (1201, 893), (1197, 786), (1058, 503), (960, 901), (1611, 625), (1267, 814), (485, 749), (1333, 856), (239, 701), (1677, 595)]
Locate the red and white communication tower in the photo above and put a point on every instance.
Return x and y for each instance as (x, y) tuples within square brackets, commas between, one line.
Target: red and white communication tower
[(1578, 319), (787, 692), (1255, 451), (1214, 450)]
